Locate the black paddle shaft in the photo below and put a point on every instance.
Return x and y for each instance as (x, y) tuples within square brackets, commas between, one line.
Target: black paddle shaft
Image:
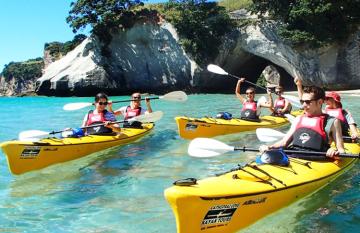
[(306, 153), (149, 98)]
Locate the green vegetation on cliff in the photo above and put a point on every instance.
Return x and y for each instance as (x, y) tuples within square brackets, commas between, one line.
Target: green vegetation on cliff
[(58, 49), (106, 16), (201, 26), (27, 70), (232, 5), (312, 22), (32, 68)]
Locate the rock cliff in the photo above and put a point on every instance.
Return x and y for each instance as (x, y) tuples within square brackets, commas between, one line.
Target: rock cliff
[(336, 66), (149, 58), (145, 58)]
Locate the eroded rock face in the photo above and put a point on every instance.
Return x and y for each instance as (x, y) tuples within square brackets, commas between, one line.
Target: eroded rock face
[(145, 58), (16, 87), (334, 67)]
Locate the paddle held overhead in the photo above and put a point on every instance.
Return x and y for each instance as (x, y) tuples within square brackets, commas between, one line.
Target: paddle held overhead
[(218, 70)]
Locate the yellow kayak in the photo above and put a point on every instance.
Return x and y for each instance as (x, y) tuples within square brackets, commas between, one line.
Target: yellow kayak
[(190, 128), (235, 200), (28, 156)]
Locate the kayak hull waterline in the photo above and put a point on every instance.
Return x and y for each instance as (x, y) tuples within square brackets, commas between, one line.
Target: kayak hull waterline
[(190, 128), (28, 156), (235, 200)]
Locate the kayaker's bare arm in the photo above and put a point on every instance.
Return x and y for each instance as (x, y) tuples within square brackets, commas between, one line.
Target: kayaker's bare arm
[(353, 131), (110, 109), (237, 90), (84, 120), (148, 106), (115, 127), (287, 106), (285, 141), (299, 86)]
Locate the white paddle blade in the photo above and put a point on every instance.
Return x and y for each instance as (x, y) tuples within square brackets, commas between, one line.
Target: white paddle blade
[(32, 135), (176, 96), (76, 106), (268, 135), (216, 69), (202, 153), (293, 100), (290, 117), (207, 147), (150, 117), (262, 100)]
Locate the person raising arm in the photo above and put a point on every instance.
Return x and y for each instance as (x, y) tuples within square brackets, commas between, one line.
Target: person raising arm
[(251, 108)]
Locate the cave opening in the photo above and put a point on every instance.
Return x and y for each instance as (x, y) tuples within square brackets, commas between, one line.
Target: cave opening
[(252, 68)]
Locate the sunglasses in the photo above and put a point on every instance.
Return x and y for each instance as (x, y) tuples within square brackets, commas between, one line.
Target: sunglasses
[(278, 92), (136, 97), (307, 101), (103, 103), (250, 93)]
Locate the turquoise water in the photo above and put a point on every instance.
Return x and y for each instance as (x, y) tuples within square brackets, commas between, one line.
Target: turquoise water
[(121, 189)]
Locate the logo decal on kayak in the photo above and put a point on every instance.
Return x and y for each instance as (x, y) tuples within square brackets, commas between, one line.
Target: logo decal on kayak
[(219, 215), (255, 201), (190, 127), (304, 137), (30, 152)]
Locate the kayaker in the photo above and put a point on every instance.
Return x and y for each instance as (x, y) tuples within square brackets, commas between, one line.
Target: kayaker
[(334, 108), (133, 110), (100, 115), (251, 108), (314, 130), (281, 105)]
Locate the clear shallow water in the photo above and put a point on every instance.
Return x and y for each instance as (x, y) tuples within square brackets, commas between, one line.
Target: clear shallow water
[(121, 189)]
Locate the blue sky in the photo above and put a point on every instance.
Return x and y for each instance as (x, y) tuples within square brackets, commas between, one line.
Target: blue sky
[(26, 25)]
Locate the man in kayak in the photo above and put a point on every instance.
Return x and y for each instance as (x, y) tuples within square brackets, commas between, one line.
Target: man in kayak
[(133, 110), (334, 108), (251, 108), (314, 130), (281, 105), (100, 116)]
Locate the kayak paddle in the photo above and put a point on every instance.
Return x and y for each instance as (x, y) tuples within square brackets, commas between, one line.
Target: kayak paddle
[(34, 135), (175, 96), (208, 147), (271, 135), (218, 70)]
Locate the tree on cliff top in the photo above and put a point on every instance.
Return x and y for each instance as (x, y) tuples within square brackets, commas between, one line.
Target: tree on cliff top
[(313, 22), (106, 16), (201, 25), (99, 13)]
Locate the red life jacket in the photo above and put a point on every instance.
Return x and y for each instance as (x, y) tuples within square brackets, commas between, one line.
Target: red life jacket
[(279, 104), (94, 119), (249, 110), (130, 113), (310, 133), (339, 113)]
